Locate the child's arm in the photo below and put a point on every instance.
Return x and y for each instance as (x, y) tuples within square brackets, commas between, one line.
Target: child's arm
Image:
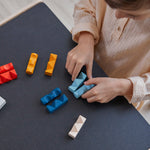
[(86, 34), (85, 19), (81, 55), (107, 89), (135, 89), (141, 88)]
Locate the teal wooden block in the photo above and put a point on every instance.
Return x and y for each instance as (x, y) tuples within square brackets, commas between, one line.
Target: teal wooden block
[(77, 82), (83, 89)]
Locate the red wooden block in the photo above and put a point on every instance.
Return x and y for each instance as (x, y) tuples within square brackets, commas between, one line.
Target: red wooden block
[(5, 77), (13, 74), (7, 73), (1, 81), (6, 68)]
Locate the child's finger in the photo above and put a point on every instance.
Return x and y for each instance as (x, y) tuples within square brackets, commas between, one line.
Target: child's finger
[(76, 71), (67, 62), (89, 93), (71, 66), (89, 70), (92, 99), (91, 81)]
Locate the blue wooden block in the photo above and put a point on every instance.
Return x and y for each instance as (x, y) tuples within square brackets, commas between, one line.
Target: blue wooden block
[(82, 90), (53, 94), (57, 103), (77, 82)]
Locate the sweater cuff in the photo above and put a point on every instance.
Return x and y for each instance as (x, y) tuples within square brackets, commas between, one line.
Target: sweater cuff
[(138, 89), (85, 27)]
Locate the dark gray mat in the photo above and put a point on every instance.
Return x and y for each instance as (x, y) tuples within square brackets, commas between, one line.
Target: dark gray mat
[(24, 122)]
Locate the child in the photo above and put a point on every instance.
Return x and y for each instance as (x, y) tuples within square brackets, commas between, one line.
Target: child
[(117, 34)]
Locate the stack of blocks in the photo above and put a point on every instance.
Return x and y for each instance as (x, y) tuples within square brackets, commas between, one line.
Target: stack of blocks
[(77, 126), (57, 102), (77, 83), (7, 73)]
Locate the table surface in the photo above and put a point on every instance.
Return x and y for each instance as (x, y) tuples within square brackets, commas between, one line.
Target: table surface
[(24, 122)]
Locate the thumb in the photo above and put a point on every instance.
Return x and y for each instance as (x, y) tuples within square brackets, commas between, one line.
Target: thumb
[(89, 70), (91, 81)]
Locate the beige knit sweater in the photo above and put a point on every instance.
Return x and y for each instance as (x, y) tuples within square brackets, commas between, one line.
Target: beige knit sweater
[(122, 46)]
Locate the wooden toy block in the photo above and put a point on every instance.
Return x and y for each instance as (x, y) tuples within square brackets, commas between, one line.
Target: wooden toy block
[(51, 64), (57, 103), (82, 90), (52, 95), (77, 82), (6, 68), (7, 73), (2, 102), (8, 76), (77, 127), (32, 63), (13, 74)]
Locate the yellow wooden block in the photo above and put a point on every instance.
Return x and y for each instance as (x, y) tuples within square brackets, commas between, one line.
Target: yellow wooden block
[(51, 64), (32, 63)]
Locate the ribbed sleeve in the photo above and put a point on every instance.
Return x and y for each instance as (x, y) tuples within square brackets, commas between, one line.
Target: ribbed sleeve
[(141, 88), (85, 20)]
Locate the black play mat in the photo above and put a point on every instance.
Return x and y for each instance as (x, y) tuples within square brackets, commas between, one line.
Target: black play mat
[(24, 122)]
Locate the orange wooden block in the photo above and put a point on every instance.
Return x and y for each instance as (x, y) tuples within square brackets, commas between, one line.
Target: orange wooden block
[(51, 64), (32, 63)]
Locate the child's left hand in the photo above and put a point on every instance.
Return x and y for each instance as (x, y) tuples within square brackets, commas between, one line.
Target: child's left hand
[(107, 89)]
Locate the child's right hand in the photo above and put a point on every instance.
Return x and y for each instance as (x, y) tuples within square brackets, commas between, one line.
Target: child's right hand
[(81, 55)]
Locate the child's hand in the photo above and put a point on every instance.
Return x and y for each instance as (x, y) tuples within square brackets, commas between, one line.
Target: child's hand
[(81, 55), (106, 89)]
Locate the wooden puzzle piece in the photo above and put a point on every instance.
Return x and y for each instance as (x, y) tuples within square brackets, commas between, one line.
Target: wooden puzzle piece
[(2, 102), (32, 63), (57, 103), (77, 127), (6, 68), (8, 76), (77, 82), (51, 64), (7, 73), (53, 94)]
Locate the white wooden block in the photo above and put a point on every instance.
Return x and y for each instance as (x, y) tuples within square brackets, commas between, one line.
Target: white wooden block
[(77, 127), (2, 102)]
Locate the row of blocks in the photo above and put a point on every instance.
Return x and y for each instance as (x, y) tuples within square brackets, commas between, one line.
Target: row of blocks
[(77, 92), (57, 102), (50, 65), (55, 105), (7, 73), (74, 88)]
